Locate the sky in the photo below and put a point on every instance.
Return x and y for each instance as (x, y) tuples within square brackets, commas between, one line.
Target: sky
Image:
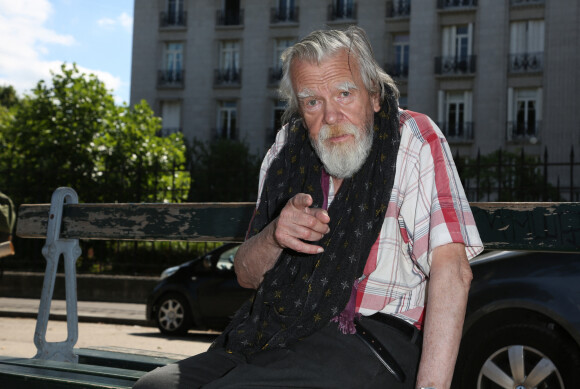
[(38, 36)]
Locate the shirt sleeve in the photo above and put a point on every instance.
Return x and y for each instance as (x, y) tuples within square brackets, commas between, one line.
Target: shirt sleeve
[(441, 212)]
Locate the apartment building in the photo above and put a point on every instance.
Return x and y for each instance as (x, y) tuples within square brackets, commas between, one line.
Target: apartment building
[(492, 73)]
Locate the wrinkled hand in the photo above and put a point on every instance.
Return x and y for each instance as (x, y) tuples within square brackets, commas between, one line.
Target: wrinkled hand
[(298, 222)]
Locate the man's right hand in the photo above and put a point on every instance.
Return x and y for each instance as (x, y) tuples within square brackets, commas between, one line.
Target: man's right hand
[(297, 223)]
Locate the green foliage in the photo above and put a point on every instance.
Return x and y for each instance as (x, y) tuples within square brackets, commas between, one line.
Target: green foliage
[(513, 176), (71, 133), (8, 97), (223, 170)]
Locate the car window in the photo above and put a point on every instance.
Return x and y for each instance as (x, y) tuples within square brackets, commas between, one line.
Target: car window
[(226, 259)]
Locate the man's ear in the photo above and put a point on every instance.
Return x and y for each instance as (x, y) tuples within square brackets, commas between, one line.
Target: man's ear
[(376, 102)]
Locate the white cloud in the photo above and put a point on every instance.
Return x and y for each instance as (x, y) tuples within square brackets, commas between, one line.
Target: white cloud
[(25, 41), (124, 20)]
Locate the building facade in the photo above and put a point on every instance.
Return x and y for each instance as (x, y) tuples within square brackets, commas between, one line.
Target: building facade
[(492, 73)]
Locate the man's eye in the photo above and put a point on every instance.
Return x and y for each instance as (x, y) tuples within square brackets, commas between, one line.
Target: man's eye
[(311, 103), (345, 93)]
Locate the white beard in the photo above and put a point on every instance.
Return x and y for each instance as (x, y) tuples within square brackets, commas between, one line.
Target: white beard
[(343, 160)]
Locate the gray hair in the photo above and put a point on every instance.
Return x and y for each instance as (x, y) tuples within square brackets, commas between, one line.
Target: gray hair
[(322, 44)]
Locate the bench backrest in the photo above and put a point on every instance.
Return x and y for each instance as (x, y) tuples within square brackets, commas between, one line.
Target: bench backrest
[(504, 226)]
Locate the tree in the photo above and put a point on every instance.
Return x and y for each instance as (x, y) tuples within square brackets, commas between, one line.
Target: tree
[(8, 96), (506, 176), (71, 133), (223, 170)]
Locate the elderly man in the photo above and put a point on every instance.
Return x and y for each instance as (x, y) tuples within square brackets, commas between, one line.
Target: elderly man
[(359, 245)]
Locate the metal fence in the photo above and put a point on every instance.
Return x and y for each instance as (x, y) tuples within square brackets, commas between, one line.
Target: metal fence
[(505, 176)]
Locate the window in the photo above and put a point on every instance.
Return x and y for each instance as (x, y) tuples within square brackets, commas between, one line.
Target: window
[(172, 74), (524, 113), (454, 115), (277, 112), (175, 15), (231, 14), (171, 117), (401, 68), (279, 46), (342, 9), (457, 43), (403, 102), (286, 12), (227, 120), (526, 46), (398, 8), (229, 63)]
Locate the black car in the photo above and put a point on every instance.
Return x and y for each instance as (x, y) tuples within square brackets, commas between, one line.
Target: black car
[(522, 328), (202, 293)]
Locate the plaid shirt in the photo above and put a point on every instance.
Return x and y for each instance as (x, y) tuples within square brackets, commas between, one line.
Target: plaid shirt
[(427, 209)]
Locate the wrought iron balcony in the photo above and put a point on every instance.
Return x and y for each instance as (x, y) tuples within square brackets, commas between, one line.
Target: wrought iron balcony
[(398, 8), (166, 131), (455, 65), (340, 13), (172, 19), (227, 77), (458, 132), (449, 4), (400, 71), (229, 18), (274, 76), (527, 131), (225, 133), (284, 15), (170, 78), (527, 2), (526, 62)]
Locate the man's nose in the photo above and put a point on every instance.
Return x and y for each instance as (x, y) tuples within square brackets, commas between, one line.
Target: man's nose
[(332, 112)]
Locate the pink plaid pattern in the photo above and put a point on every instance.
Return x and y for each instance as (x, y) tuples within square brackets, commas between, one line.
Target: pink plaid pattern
[(428, 208)]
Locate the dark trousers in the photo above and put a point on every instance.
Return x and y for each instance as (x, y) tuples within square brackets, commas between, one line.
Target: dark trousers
[(326, 359)]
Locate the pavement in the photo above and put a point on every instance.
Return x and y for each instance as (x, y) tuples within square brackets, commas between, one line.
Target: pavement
[(104, 326), (88, 311)]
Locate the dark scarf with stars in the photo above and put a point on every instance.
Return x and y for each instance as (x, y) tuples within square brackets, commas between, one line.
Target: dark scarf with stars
[(302, 293)]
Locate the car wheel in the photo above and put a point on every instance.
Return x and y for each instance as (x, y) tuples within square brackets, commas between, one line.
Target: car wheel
[(519, 356), (173, 315)]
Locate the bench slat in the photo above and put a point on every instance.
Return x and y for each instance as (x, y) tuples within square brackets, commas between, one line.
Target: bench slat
[(503, 226), (35, 377), (124, 360), (529, 226), (202, 222)]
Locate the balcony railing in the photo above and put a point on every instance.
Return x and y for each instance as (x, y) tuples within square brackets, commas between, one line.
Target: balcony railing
[(274, 76), (454, 65), (526, 62), (525, 131), (400, 71), (227, 77), (450, 4), (170, 77), (229, 18), (173, 19), (458, 132), (340, 13), (527, 2), (226, 133), (166, 131), (284, 15), (398, 8)]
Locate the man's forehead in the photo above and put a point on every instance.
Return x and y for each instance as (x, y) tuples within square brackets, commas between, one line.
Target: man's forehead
[(345, 85)]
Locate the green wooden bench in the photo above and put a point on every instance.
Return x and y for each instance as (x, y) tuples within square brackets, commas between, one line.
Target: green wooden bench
[(503, 226)]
